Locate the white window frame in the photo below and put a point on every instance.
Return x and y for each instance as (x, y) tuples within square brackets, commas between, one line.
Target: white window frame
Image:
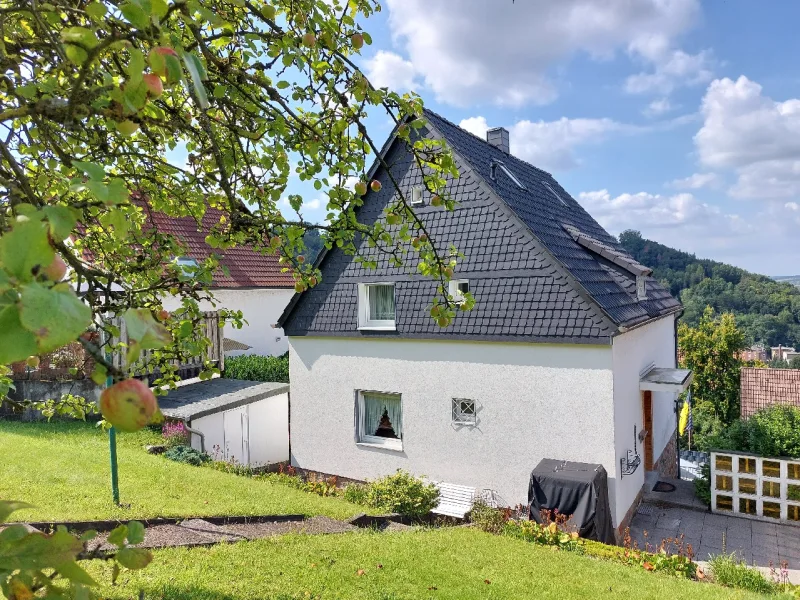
[(462, 418), (457, 295), (364, 320), (641, 287), (416, 196), (374, 441)]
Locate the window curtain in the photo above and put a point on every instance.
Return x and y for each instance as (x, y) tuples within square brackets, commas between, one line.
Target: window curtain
[(374, 406), (381, 303)]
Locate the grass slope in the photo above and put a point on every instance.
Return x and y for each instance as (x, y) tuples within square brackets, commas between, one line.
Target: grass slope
[(445, 563), (63, 470)]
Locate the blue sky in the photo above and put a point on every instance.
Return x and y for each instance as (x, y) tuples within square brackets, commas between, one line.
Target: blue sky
[(674, 117)]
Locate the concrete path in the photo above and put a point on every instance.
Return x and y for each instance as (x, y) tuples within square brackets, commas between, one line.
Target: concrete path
[(755, 542)]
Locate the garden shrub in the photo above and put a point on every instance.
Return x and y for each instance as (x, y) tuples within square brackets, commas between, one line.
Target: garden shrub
[(727, 570), (253, 367), (679, 564), (404, 494), (186, 454), (175, 434), (487, 518), (702, 484), (548, 534), (775, 431), (355, 493)]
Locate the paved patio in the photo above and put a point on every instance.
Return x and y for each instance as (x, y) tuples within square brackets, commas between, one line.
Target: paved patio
[(755, 542)]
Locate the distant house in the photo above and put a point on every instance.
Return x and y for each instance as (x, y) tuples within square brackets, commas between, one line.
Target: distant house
[(568, 354), (761, 388), (253, 283), (755, 352), (781, 352)]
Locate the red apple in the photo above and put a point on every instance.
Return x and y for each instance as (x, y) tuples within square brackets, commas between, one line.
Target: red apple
[(163, 315), (361, 188), (154, 85), (358, 40), (301, 258), (443, 321), (32, 361), (436, 201), (56, 270), (309, 40), (157, 59), (299, 287), (375, 186), (128, 405)]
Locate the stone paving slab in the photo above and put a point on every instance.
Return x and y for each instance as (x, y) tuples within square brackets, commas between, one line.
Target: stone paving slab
[(757, 543)]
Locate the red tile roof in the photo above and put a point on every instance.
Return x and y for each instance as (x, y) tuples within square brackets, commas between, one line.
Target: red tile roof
[(246, 267), (765, 387)]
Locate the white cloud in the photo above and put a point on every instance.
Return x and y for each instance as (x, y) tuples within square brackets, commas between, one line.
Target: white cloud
[(696, 181), (387, 69), (474, 51), (312, 204), (756, 136), (550, 145), (658, 107), (671, 68), (685, 222), (792, 206)]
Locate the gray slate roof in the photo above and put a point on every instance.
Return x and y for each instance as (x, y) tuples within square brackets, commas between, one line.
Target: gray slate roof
[(216, 395), (533, 281)]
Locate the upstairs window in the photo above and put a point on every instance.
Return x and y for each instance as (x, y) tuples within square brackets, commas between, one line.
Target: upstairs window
[(376, 308), (458, 288), (380, 420), (464, 412), (416, 196)]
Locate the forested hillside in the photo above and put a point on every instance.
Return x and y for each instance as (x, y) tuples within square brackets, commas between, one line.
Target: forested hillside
[(767, 310)]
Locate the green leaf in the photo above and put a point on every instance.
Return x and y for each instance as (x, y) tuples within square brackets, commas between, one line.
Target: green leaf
[(117, 191), (145, 330), (135, 532), (25, 247), (118, 535), (135, 14), (135, 68), (12, 533), (134, 558), (198, 74), (174, 72), (159, 9), (16, 342), (62, 221), (54, 315), (96, 10), (72, 571), (9, 506), (93, 170), (37, 551)]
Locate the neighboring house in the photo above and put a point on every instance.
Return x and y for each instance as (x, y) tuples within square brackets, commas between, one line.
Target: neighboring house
[(556, 360), (253, 284), (755, 352), (782, 352), (761, 388)]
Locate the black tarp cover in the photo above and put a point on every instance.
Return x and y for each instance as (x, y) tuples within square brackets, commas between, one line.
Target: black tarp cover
[(577, 489)]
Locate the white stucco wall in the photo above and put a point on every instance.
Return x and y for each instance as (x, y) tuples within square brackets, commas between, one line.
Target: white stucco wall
[(260, 438), (632, 352), (261, 308), (534, 401)]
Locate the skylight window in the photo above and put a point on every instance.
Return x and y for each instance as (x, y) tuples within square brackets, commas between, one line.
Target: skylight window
[(493, 173), (552, 191)]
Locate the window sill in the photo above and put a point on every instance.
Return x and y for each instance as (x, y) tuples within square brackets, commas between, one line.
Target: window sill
[(377, 328), (394, 447)]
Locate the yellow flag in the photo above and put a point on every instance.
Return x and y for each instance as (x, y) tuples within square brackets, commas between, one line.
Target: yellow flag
[(684, 419)]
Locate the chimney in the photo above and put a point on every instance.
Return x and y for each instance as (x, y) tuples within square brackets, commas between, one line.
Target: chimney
[(498, 137)]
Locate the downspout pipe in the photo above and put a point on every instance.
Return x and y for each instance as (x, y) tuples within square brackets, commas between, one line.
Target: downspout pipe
[(196, 432)]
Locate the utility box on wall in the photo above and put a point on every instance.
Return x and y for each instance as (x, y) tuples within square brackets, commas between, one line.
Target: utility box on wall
[(246, 422)]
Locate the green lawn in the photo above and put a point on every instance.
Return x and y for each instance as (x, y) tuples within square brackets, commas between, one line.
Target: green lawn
[(63, 470), (445, 563)]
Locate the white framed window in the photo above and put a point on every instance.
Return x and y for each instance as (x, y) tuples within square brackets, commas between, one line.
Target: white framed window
[(465, 411), (379, 419), (458, 287), (641, 287), (376, 306), (416, 196)]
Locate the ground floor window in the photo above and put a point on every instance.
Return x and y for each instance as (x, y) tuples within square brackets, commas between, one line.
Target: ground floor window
[(379, 419)]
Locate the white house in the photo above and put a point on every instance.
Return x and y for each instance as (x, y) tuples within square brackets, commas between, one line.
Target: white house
[(569, 352), (251, 282)]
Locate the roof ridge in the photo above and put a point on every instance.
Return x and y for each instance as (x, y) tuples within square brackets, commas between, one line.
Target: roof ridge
[(483, 140)]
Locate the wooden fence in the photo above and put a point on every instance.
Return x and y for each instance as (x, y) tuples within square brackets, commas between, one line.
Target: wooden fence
[(188, 367)]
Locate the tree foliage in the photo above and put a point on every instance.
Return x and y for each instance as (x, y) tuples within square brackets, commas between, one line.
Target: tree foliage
[(767, 311), (95, 97), (712, 351)]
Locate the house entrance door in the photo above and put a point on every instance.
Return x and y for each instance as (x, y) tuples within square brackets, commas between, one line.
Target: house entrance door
[(647, 424)]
